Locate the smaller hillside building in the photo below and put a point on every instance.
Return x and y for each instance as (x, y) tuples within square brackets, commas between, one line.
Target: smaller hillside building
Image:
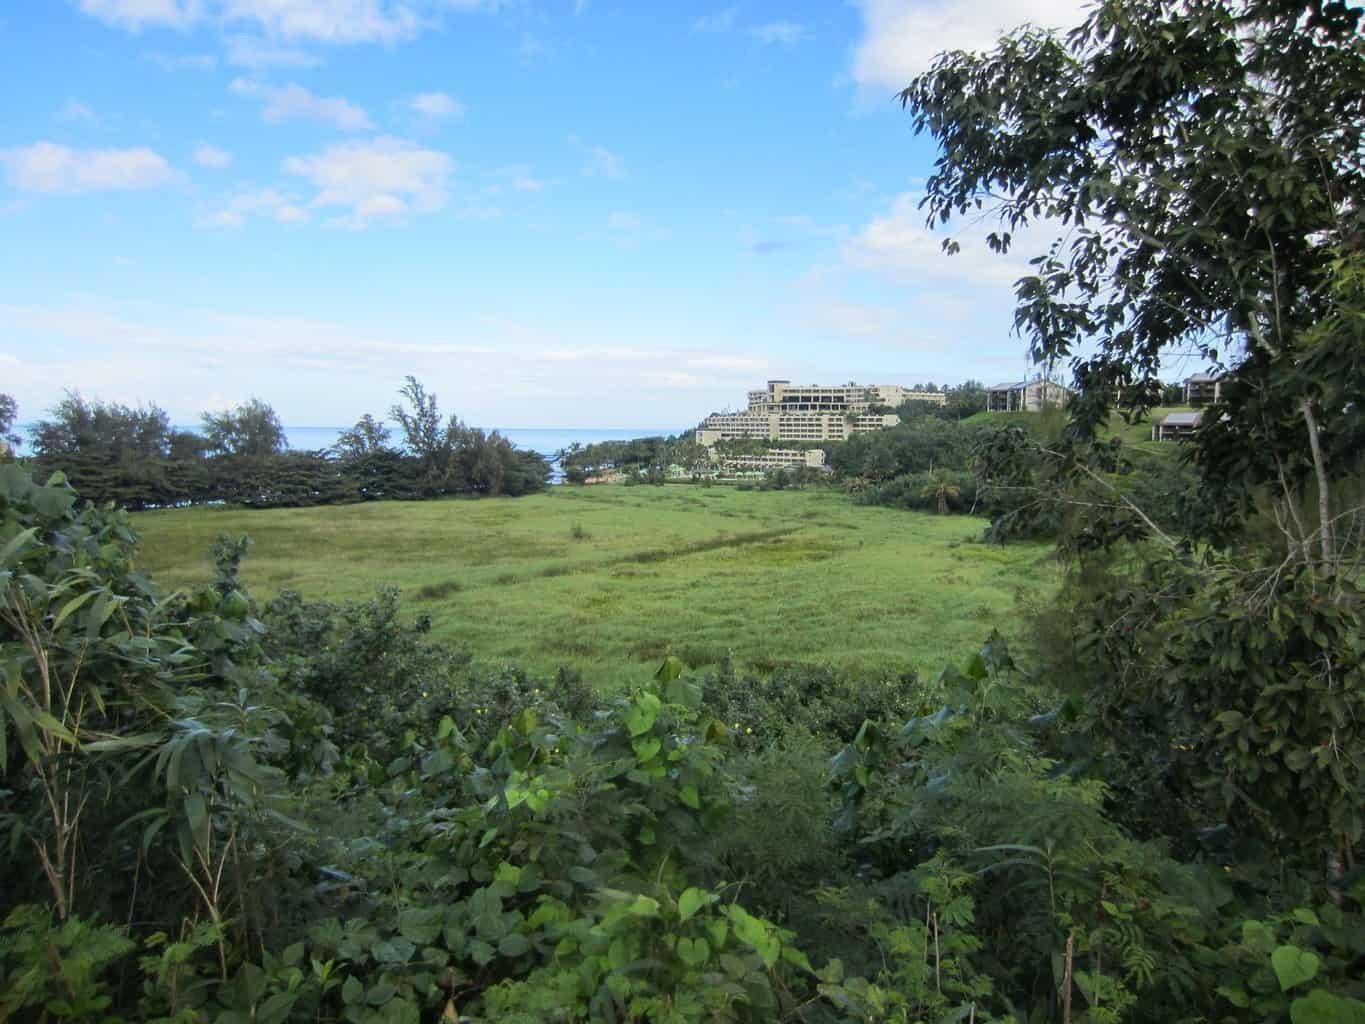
[(773, 458), (1176, 426)]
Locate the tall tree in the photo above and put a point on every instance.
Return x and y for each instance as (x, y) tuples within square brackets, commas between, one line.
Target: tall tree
[(9, 412), (369, 436), (1204, 164), (251, 428), (429, 440), (109, 429)]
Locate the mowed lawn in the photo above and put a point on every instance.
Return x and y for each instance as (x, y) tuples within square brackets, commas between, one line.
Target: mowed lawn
[(608, 579)]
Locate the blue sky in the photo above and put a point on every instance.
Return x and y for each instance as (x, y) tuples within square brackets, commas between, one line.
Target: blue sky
[(554, 213)]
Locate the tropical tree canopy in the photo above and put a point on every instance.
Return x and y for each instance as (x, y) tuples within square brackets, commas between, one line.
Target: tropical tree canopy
[(1203, 166)]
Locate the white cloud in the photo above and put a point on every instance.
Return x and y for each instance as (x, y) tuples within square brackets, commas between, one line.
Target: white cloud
[(189, 359), (902, 37), (75, 110), (827, 315), (323, 21), (328, 21), (135, 15), (284, 103), (720, 21), (184, 61), (212, 156), (531, 49), (902, 245), (437, 105), (49, 168), (382, 178), (261, 54), (266, 202), (516, 178), (781, 33), (603, 163)]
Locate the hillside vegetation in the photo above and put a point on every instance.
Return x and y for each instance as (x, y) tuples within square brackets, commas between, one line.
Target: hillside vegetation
[(607, 578)]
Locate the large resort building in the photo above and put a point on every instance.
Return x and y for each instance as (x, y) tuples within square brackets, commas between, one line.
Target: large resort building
[(791, 412)]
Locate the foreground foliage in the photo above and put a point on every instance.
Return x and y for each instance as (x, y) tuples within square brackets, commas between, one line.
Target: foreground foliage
[(311, 812)]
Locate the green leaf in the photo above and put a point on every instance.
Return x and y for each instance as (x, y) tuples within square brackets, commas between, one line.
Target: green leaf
[(643, 713), (421, 924), (716, 930), (1230, 720), (690, 796), (670, 669), (53, 727), (692, 900), (23, 726), (72, 606), (1257, 936), (1322, 1007), (646, 747), (135, 742), (794, 956), (684, 692), (752, 931), (693, 952), (9, 553), (197, 816), (275, 1010), (644, 906), (1294, 966), (395, 951), (352, 991)]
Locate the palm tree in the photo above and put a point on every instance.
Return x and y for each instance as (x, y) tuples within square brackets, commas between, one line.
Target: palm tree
[(941, 487)]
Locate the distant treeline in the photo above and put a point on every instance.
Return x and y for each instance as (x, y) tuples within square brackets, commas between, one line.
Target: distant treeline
[(133, 457), (647, 458)]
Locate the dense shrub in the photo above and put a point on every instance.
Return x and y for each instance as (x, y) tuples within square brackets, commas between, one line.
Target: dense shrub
[(920, 491), (804, 700), (340, 820)]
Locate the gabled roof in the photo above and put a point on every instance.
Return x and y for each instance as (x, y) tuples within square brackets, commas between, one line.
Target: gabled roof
[(1182, 419), (1022, 384)]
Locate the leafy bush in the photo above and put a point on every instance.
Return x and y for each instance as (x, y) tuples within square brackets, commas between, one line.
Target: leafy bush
[(346, 821)]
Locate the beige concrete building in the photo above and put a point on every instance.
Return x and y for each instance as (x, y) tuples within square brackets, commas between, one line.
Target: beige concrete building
[(1027, 396), (773, 458), (789, 412), (1203, 389)]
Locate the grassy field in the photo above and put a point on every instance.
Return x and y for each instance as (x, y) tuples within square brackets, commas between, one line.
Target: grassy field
[(609, 579)]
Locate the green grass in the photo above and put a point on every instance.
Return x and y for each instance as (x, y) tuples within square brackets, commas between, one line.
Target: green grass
[(610, 579), (1137, 435)]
